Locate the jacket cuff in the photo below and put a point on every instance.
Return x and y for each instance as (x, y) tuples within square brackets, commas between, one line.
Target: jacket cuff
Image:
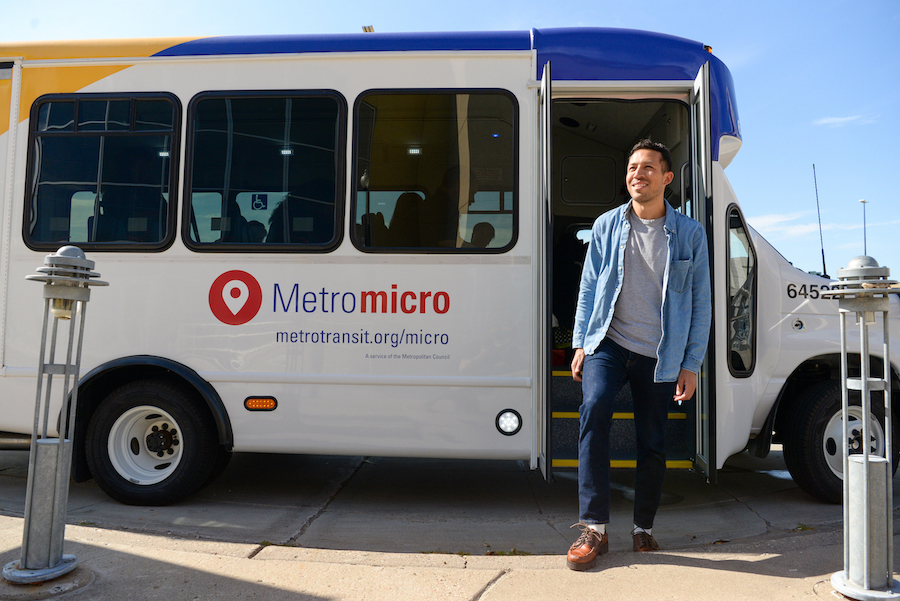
[(692, 365)]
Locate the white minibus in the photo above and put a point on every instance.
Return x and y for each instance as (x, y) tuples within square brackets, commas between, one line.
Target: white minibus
[(370, 245)]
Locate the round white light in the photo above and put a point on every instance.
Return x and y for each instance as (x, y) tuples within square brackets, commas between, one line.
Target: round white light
[(509, 422)]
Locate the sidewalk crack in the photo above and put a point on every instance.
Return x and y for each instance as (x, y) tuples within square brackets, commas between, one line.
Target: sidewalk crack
[(527, 473), (490, 584), (293, 540), (747, 505)]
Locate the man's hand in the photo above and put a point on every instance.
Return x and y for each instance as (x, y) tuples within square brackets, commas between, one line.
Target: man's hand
[(577, 364), (687, 384)]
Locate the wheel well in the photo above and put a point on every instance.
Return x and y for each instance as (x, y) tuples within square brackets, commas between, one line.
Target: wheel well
[(815, 369), (96, 386)]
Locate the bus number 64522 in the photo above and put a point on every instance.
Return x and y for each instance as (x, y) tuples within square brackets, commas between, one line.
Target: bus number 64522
[(806, 291)]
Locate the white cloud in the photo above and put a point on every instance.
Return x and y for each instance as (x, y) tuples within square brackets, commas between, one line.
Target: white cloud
[(842, 121), (837, 121), (800, 229), (783, 226), (774, 221)]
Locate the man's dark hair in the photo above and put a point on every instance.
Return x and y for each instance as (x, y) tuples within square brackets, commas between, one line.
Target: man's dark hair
[(659, 147)]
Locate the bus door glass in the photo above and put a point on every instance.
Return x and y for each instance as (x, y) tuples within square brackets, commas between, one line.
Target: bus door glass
[(543, 391), (701, 195)]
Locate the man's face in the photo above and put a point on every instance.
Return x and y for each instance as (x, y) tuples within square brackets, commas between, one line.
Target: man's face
[(646, 177)]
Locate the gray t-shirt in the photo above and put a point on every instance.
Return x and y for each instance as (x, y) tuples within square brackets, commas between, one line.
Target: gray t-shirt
[(637, 323)]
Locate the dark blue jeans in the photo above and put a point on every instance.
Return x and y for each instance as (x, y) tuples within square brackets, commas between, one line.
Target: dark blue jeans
[(603, 375)]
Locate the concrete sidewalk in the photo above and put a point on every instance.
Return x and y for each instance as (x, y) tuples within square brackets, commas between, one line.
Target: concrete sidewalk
[(407, 530), (115, 565)]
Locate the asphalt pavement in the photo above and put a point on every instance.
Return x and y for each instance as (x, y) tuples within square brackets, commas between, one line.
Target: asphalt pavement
[(327, 528)]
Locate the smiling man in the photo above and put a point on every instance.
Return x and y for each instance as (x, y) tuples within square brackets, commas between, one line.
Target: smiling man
[(643, 317)]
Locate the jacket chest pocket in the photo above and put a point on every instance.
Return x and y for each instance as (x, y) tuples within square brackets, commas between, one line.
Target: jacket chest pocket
[(679, 276)]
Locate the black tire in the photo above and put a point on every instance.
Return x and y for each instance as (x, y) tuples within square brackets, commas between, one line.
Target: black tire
[(813, 432), (150, 443), (221, 461)]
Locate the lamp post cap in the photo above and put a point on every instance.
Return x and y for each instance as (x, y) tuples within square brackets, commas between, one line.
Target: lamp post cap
[(71, 251), (864, 272), (862, 261), (69, 256)]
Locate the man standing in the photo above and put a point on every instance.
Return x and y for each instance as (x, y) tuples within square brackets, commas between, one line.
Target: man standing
[(643, 317)]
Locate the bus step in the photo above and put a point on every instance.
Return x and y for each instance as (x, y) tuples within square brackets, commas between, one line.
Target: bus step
[(565, 425), (564, 463)]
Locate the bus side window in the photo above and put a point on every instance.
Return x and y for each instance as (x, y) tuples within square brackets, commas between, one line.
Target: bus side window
[(100, 172), (264, 171), (741, 280), (435, 171)]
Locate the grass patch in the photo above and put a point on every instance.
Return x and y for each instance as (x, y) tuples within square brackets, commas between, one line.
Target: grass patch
[(512, 552)]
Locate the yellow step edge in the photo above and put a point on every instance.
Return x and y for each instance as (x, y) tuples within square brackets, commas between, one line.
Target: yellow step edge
[(681, 464), (576, 415)]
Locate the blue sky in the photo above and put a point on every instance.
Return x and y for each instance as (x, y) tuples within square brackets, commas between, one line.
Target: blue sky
[(817, 83)]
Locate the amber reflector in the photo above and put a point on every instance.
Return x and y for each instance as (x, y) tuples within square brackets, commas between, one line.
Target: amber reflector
[(260, 403)]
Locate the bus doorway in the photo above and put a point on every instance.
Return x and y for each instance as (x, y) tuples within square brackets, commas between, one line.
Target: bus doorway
[(590, 142)]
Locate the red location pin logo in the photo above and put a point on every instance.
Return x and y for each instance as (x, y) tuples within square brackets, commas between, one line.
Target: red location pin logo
[(235, 297)]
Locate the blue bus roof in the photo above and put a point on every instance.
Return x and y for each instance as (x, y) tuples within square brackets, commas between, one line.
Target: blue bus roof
[(576, 54)]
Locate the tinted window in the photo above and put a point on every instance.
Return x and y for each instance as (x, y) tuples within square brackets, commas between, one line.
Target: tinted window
[(264, 170), (435, 171), (98, 176)]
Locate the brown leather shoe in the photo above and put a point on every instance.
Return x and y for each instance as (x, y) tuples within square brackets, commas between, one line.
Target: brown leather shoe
[(583, 553), (644, 542)]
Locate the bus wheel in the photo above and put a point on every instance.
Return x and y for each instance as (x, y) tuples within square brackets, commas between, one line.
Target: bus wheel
[(812, 442), (221, 461), (148, 443)]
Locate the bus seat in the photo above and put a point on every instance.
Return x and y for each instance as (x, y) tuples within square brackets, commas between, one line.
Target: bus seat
[(132, 214), (568, 258), (373, 225), (404, 228)]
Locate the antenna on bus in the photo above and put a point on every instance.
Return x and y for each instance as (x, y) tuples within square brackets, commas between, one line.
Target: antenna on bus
[(819, 212)]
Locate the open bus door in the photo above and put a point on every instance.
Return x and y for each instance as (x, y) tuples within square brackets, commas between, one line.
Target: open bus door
[(701, 209), (544, 229)]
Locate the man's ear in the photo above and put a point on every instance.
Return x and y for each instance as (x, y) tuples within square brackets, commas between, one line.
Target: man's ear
[(670, 175)]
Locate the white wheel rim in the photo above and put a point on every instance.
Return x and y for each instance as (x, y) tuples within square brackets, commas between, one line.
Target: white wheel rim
[(834, 433), (136, 440)]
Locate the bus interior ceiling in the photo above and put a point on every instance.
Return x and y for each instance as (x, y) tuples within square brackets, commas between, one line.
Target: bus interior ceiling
[(591, 140), (421, 137)]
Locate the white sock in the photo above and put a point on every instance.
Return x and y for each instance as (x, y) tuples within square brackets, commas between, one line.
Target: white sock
[(639, 529), (598, 528)]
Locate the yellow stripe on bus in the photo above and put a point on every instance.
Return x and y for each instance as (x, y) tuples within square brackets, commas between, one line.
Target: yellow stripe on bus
[(91, 49), (679, 464), (5, 91), (37, 81), (59, 80)]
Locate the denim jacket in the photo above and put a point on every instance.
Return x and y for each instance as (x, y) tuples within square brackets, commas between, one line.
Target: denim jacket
[(686, 306)]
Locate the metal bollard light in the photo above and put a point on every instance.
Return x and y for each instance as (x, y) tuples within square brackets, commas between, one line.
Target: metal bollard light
[(868, 522), (66, 276)]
